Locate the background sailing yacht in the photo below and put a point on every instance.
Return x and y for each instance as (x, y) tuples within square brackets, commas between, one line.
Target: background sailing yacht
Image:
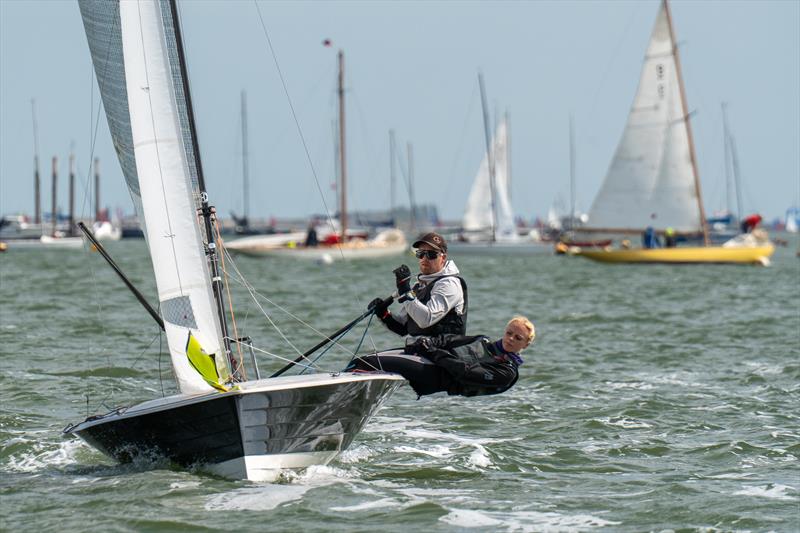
[(653, 179)]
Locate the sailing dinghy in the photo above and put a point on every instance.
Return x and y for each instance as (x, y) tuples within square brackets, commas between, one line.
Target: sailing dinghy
[(219, 421), (653, 179)]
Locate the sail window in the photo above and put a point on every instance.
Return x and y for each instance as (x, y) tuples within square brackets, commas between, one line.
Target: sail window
[(178, 311), (660, 71)]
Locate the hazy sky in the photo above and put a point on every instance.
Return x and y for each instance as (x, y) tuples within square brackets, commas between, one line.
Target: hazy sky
[(412, 66)]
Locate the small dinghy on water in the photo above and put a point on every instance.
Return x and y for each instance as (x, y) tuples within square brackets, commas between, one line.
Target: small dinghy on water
[(219, 421)]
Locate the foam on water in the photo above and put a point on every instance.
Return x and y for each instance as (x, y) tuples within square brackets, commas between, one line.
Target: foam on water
[(261, 498), (357, 454), (775, 492), (45, 455), (523, 520), (268, 496), (623, 422), (479, 458), (433, 451), (383, 503)]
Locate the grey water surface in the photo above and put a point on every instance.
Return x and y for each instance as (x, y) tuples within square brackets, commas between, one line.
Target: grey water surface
[(654, 398)]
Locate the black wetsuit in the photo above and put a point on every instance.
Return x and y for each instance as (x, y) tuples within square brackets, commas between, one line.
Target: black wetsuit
[(458, 365)]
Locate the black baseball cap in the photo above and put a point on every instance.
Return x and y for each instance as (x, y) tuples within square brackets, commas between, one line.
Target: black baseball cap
[(434, 240)]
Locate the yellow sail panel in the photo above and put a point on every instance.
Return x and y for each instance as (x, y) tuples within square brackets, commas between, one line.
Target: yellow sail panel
[(204, 363)]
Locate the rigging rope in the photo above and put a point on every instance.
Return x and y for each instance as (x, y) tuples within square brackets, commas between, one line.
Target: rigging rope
[(230, 307), (255, 295)]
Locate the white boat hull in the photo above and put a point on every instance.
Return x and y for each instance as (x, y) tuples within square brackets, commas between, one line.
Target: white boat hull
[(386, 244)]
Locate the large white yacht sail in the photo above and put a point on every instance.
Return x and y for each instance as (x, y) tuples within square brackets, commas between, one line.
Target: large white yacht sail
[(651, 180), (163, 178), (480, 211)]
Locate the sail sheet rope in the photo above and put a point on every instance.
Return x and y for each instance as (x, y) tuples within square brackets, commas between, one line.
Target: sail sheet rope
[(236, 276)]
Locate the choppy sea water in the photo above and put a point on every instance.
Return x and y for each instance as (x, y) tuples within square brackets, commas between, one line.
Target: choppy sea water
[(655, 398)]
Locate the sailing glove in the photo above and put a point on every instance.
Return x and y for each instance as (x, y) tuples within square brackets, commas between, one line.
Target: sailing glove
[(402, 277), (380, 306)]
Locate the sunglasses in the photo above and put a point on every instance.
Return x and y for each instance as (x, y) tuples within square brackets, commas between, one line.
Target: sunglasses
[(430, 254)]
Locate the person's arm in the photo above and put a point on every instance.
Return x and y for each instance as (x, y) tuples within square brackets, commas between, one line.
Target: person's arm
[(446, 295), (395, 325)]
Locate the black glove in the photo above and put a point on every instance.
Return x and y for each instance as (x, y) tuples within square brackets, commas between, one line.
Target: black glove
[(421, 346), (402, 277), (380, 306)]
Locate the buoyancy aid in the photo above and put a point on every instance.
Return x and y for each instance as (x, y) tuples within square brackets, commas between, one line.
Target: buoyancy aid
[(476, 365), (451, 324)]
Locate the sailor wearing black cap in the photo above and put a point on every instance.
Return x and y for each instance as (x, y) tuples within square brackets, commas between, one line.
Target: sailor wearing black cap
[(436, 304)]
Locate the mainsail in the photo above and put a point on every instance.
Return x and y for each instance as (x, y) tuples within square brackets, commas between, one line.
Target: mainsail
[(135, 55), (479, 215), (651, 180)]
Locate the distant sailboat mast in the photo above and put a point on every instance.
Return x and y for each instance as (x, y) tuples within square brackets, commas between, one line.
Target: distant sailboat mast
[(571, 222), (70, 231), (692, 155), (96, 189), (37, 205), (245, 162), (412, 201), (490, 158), (342, 152), (392, 176), (54, 199)]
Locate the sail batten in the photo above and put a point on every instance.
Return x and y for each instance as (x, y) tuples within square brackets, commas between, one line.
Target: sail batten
[(651, 179)]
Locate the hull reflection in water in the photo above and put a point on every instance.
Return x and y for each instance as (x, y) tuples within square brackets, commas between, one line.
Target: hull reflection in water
[(251, 433)]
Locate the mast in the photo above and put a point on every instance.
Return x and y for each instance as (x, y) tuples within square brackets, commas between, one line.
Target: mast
[(489, 157), (392, 176), (96, 188), (342, 152), (54, 192), (736, 177), (410, 152), (571, 173), (731, 157), (206, 210), (37, 205), (245, 162), (70, 231), (692, 155)]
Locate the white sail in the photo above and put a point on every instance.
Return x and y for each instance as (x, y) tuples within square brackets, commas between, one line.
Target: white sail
[(478, 215), (135, 53), (651, 181), (792, 219)]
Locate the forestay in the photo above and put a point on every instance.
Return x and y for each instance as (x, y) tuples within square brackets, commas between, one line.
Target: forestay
[(478, 215), (651, 180), (135, 57)]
